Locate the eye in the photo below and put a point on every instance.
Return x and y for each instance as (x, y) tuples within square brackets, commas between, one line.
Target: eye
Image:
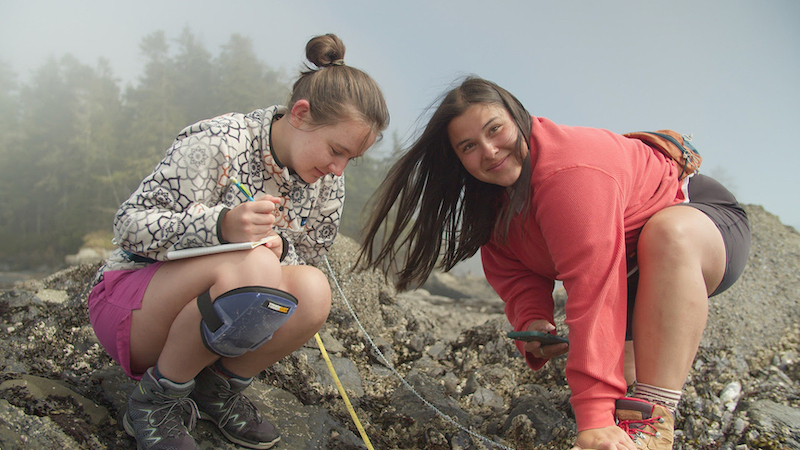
[(494, 129), (467, 147)]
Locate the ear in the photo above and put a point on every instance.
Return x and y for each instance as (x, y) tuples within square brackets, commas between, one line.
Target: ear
[(300, 113)]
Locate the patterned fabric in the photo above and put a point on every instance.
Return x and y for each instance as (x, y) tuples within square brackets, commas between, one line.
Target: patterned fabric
[(178, 206)]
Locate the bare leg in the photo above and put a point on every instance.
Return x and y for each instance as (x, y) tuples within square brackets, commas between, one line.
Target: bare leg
[(312, 290), (630, 364), (167, 328), (681, 260)]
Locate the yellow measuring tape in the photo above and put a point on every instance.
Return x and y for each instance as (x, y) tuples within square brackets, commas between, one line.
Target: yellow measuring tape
[(342, 392)]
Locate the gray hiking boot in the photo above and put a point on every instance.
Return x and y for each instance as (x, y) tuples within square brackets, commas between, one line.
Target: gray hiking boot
[(156, 412), (221, 401)]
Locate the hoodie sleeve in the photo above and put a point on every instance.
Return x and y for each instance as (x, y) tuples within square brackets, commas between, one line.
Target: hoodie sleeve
[(528, 296), (179, 205), (581, 214)]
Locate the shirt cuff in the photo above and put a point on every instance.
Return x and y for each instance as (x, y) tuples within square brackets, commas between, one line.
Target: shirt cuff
[(219, 225), (595, 413), (285, 250)]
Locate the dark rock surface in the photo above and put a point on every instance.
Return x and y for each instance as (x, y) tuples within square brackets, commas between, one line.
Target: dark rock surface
[(58, 389)]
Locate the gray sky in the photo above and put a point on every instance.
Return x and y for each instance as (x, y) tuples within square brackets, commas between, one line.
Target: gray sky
[(726, 71)]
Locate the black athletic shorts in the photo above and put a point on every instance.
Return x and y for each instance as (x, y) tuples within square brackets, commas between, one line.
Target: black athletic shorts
[(710, 197)]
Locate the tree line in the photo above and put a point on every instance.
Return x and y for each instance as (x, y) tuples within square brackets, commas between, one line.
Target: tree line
[(74, 143)]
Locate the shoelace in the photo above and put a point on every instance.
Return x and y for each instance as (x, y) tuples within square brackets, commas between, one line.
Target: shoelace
[(175, 420), (638, 428), (232, 402)]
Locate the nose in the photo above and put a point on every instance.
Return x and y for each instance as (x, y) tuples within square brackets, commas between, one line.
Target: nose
[(337, 167), (489, 150)]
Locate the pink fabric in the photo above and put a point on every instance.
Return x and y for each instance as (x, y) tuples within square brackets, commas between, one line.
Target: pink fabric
[(591, 193), (110, 306)]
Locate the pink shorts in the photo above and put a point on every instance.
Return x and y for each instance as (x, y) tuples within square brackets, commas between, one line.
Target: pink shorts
[(110, 306)]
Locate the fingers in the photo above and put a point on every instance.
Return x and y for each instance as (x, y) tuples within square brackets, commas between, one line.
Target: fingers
[(535, 349), (262, 211), (269, 198), (606, 438), (538, 350), (273, 205), (275, 241), (544, 351), (541, 325), (556, 350), (267, 204), (251, 221)]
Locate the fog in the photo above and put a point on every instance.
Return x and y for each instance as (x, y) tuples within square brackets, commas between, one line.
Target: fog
[(724, 71)]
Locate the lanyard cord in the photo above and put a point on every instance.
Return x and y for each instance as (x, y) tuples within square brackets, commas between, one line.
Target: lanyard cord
[(397, 374)]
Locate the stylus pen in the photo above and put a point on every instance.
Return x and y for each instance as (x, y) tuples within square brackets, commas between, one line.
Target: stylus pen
[(250, 197), (243, 189)]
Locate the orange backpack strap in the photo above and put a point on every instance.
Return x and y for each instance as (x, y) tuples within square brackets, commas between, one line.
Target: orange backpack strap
[(674, 145)]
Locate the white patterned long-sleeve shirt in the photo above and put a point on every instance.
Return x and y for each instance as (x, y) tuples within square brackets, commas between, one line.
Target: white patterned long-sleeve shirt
[(180, 204)]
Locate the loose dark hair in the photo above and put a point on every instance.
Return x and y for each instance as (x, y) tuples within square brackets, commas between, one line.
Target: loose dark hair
[(336, 91), (439, 208)]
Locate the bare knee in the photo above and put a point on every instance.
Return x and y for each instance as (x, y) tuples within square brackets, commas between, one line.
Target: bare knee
[(312, 290), (683, 239), (257, 267), (665, 239)]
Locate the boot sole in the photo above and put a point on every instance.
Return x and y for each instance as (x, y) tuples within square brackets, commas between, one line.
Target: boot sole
[(235, 440)]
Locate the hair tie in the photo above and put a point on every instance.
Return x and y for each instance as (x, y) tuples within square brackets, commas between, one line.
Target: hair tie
[(338, 62)]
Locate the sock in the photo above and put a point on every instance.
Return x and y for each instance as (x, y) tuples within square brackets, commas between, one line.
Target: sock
[(220, 370), (157, 374), (660, 396), (160, 376)]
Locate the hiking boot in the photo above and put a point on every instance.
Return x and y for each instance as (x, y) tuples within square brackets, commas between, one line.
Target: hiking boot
[(221, 401), (156, 412), (651, 426)]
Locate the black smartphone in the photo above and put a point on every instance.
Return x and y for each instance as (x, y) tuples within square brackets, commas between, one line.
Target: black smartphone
[(544, 338)]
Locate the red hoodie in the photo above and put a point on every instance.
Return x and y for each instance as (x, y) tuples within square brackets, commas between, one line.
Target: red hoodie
[(591, 193)]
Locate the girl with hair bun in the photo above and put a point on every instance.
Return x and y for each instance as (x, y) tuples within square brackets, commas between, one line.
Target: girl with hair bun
[(195, 331)]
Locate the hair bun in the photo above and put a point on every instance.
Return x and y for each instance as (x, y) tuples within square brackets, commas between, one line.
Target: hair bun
[(326, 50)]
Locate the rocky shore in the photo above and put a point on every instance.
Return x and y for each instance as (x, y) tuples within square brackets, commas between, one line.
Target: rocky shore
[(445, 344)]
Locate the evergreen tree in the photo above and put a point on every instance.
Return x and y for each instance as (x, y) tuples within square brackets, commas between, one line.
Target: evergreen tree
[(362, 178), (9, 107), (45, 171), (73, 147), (56, 179), (153, 112), (245, 83), (195, 80), (9, 145), (99, 118)]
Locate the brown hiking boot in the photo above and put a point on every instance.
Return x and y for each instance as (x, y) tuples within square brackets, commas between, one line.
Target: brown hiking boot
[(651, 426)]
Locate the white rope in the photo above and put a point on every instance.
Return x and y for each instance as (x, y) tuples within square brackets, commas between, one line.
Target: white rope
[(397, 374)]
